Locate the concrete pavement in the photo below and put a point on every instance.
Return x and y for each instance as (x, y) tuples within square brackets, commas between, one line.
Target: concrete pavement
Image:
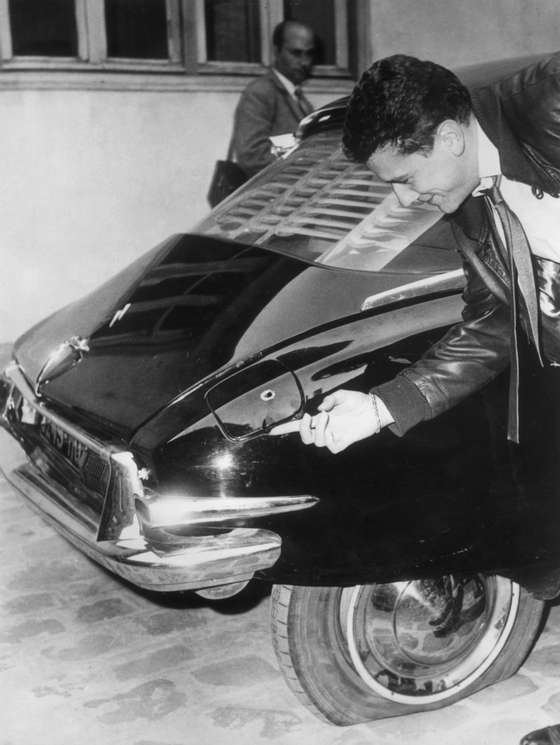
[(85, 658)]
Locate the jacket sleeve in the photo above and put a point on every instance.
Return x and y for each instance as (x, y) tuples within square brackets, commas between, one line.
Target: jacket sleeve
[(254, 118), (470, 354)]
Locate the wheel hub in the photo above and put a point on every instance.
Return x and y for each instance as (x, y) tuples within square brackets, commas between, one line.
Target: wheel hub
[(426, 638)]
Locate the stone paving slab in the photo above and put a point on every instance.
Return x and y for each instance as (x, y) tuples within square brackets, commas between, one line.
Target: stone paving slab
[(85, 657)]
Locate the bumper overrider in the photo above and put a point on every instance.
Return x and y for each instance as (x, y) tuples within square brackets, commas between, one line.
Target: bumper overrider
[(92, 493)]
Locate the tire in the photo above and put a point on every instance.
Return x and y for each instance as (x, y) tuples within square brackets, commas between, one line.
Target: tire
[(383, 650)]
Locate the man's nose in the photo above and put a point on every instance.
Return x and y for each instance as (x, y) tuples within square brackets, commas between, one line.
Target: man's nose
[(405, 194)]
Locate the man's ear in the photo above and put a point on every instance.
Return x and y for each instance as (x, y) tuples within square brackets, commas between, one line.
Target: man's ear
[(452, 137)]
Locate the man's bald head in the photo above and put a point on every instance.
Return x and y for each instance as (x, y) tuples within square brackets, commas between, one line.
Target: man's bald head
[(294, 48)]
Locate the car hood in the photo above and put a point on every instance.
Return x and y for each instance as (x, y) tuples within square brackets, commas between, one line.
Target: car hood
[(193, 306)]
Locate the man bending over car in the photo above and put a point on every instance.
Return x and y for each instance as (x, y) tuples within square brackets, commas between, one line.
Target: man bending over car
[(491, 159)]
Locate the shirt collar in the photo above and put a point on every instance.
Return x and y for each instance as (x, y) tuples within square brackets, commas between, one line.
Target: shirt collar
[(288, 85), (488, 161)]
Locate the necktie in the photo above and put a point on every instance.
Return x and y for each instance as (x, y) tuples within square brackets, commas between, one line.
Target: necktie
[(303, 104), (517, 254)]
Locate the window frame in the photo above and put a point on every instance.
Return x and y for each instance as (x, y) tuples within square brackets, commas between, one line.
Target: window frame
[(270, 15), (92, 43), (186, 37)]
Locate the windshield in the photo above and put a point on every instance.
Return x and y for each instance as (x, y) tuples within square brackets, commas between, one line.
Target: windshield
[(318, 206)]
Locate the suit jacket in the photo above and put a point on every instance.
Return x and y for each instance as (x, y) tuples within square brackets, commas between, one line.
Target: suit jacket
[(265, 109), (521, 116)]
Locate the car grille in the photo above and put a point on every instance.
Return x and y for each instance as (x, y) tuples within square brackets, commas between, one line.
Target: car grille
[(61, 452), (317, 192)]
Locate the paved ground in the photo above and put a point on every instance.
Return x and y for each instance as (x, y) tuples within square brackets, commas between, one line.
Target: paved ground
[(86, 659)]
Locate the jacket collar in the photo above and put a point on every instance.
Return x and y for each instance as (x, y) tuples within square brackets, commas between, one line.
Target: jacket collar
[(488, 161), (513, 162), (520, 116), (288, 85), (290, 100)]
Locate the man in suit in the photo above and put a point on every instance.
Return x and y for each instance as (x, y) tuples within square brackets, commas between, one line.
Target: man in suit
[(273, 104), (490, 159)]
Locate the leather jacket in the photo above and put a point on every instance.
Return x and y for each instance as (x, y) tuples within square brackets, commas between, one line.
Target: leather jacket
[(521, 116)]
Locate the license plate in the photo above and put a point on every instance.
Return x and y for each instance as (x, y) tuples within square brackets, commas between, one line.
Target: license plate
[(72, 449)]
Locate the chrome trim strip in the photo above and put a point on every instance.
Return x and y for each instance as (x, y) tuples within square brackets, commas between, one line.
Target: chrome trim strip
[(126, 487), (175, 511), (119, 514), (114, 540), (446, 281), (200, 561)]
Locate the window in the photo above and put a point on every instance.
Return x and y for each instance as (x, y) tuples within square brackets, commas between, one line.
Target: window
[(46, 29), (323, 17), (233, 32), (136, 29), (191, 36)]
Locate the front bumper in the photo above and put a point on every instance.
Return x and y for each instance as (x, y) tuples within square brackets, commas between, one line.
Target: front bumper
[(106, 523)]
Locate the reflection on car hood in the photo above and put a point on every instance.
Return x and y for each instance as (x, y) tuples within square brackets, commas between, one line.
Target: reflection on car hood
[(193, 306)]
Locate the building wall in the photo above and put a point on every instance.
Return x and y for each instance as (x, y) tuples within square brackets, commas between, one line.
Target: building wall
[(457, 32), (93, 177)]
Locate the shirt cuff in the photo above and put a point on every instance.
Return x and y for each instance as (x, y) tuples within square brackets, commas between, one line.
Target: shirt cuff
[(405, 403)]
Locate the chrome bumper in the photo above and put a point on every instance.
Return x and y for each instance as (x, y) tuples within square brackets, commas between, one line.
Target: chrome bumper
[(114, 538)]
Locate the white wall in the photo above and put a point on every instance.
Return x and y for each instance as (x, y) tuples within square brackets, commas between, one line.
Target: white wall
[(91, 179), (456, 32)]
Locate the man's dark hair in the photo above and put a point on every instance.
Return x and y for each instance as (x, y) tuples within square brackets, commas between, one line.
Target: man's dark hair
[(401, 101), (280, 30)]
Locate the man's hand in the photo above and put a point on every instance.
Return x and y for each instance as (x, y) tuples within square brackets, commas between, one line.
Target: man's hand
[(344, 417)]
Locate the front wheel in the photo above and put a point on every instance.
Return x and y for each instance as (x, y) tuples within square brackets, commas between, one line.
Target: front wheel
[(373, 651)]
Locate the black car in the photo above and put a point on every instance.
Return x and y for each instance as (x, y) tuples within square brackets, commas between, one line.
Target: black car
[(406, 571)]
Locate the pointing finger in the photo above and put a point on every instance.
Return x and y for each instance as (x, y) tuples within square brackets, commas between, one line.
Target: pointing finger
[(285, 428)]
